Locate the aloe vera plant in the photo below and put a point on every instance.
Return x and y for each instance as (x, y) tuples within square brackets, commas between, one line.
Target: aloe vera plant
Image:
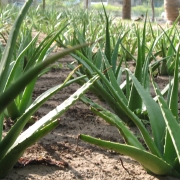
[(14, 143), (162, 156), (105, 57)]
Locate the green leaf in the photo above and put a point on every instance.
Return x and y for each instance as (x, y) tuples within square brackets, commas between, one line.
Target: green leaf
[(6, 59), (108, 40), (113, 119), (154, 112), (134, 95), (112, 79), (99, 87), (172, 145), (40, 128), (149, 161), (7, 163), (115, 55), (173, 104), (29, 75), (21, 122)]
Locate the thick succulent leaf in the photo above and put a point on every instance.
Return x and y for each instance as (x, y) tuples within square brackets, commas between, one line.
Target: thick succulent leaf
[(172, 125), (169, 150), (173, 104), (149, 161), (150, 143), (113, 119), (99, 87), (58, 111), (166, 88), (28, 76), (134, 95), (19, 125), (7, 163), (1, 125), (17, 63), (108, 40), (154, 112), (112, 79), (172, 143), (114, 56), (7, 55), (40, 128)]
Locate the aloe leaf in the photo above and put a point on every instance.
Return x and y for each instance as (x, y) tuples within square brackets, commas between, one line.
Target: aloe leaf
[(91, 68), (113, 119), (6, 59), (167, 87), (154, 112), (143, 45), (171, 149), (168, 37), (134, 95), (128, 85), (112, 79), (1, 125), (172, 126), (152, 31), (147, 138), (27, 93), (50, 39), (97, 60), (17, 62), (173, 104), (38, 49), (28, 76), (146, 67), (13, 110), (117, 102), (149, 161), (41, 127), (115, 55), (169, 92), (176, 165), (108, 41), (127, 51), (26, 98), (58, 111), (19, 125), (7, 163)]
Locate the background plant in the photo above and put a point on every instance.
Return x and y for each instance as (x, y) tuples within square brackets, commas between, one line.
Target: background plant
[(115, 53)]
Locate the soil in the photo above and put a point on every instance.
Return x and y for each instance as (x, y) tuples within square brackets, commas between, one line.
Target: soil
[(84, 161)]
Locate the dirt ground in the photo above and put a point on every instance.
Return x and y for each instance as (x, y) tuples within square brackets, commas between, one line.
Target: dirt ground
[(83, 161)]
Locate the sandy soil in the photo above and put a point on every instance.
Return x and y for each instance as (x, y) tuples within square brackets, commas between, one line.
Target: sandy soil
[(84, 161)]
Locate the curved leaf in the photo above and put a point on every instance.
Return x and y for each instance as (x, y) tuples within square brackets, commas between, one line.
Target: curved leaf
[(149, 161), (154, 112), (28, 76), (113, 119)]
